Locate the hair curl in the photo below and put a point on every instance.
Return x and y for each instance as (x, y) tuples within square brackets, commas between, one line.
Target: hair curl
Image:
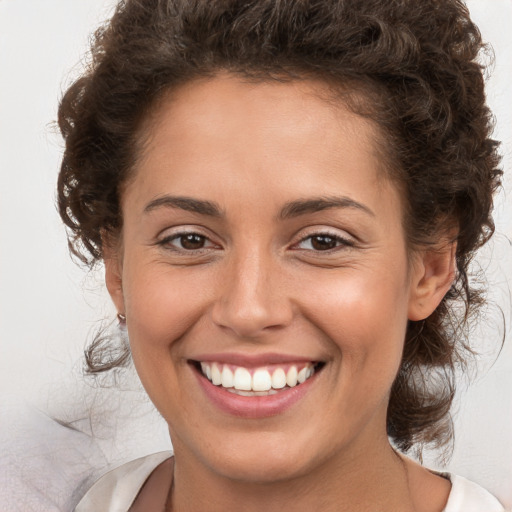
[(414, 63)]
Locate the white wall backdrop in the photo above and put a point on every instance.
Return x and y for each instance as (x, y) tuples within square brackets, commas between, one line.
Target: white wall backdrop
[(49, 307)]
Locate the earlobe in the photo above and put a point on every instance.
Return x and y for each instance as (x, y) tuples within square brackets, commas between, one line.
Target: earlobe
[(113, 275), (433, 275)]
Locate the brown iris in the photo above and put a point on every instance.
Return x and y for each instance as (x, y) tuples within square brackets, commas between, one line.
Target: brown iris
[(192, 241), (323, 242)]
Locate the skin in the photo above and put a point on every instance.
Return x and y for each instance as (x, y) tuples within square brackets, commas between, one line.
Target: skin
[(260, 285)]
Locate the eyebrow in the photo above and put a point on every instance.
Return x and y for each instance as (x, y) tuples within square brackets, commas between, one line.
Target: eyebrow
[(290, 210), (189, 204), (317, 204)]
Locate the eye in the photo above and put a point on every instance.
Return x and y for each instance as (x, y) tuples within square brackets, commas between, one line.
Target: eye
[(187, 242), (323, 242)]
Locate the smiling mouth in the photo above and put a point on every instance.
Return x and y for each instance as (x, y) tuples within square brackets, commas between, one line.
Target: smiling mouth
[(262, 381)]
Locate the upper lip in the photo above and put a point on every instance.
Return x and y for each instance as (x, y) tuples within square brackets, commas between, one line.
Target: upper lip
[(252, 360)]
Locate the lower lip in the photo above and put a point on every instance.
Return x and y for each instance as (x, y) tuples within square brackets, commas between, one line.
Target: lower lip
[(253, 407)]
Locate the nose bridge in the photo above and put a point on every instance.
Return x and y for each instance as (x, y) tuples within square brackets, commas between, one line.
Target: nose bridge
[(251, 296)]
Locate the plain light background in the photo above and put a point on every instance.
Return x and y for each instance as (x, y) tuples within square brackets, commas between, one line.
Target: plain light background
[(49, 307)]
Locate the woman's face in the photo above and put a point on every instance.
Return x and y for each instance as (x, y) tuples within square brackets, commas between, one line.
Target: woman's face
[(262, 245)]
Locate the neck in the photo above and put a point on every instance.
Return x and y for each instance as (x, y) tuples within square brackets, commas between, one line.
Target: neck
[(346, 482)]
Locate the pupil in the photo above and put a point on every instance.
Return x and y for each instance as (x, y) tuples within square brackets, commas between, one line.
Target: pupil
[(192, 241), (323, 243)]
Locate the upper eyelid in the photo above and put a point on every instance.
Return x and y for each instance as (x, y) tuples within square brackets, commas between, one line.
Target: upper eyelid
[(317, 231), (166, 236), (167, 243), (173, 232), (326, 233), (343, 241)]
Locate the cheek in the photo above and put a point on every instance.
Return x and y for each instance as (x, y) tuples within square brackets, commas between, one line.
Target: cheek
[(356, 299), (365, 315), (162, 303)]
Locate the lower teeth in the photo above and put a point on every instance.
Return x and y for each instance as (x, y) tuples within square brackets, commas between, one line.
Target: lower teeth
[(252, 393)]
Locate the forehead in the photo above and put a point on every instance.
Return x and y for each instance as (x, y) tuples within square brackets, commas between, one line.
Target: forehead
[(256, 134), (305, 107)]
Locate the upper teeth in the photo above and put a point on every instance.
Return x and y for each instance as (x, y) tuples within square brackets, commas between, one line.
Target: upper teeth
[(261, 379)]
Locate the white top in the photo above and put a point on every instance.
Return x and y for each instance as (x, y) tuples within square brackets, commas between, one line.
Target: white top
[(116, 490)]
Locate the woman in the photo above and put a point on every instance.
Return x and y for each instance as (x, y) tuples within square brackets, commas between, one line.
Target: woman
[(286, 197)]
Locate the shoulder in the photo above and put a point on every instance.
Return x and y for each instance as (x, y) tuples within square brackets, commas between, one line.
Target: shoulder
[(116, 490), (467, 496)]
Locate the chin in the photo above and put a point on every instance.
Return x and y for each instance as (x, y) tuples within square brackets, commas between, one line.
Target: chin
[(261, 467), (262, 458)]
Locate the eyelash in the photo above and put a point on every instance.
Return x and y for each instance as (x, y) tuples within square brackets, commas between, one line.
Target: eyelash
[(338, 240), (167, 241)]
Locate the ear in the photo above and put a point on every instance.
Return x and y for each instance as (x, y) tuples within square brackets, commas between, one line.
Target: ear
[(113, 272), (433, 273)]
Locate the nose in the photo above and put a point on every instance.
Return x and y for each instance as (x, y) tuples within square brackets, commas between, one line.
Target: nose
[(252, 298)]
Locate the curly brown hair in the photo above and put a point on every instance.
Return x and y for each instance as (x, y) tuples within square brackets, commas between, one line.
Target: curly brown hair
[(413, 67)]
